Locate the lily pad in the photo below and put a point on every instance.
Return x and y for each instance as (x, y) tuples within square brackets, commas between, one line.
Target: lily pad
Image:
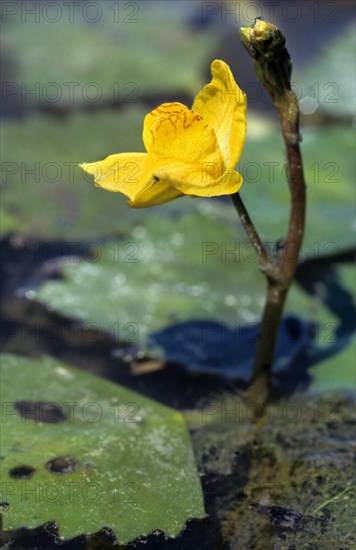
[(189, 272), (324, 343), (193, 266), (169, 269), (329, 173), (41, 175), (87, 453), (96, 54), (105, 50), (336, 373), (328, 81)]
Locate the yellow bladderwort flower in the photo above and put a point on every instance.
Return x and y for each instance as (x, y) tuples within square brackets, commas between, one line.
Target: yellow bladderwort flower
[(189, 151)]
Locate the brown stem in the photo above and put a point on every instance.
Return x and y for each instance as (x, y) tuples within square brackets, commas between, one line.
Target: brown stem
[(266, 45), (277, 290), (267, 266), (260, 383), (289, 119)]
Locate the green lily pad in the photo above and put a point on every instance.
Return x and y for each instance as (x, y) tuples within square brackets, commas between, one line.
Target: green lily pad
[(336, 373), (88, 453), (95, 53), (168, 269), (41, 175), (329, 79), (329, 173), (193, 266), (105, 51)]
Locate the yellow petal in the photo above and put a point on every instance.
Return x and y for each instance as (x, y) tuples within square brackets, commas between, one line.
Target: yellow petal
[(184, 140), (127, 173), (132, 175), (222, 105), (228, 183), (157, 193), (164, 110)]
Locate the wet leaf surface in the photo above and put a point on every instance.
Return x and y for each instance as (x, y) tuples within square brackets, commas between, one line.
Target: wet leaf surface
[(328, 84), (117, 459), (328, 165), (186, 280), (105, 50)]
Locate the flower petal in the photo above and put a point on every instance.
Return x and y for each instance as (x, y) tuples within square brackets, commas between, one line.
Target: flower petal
[(127, 173), (158, 193), (227, 184), (184, 141), (164, 110), (222, 105), (132, 175)]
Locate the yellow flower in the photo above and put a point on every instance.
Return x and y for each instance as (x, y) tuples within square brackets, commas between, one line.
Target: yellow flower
[(189, 151)]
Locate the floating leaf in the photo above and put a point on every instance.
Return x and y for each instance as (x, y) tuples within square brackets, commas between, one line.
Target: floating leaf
[(105, 51), (329, 174), (40, 174), (329, 79), (99, 54), (169, 269), (87, 453), (336, 373), (193, 266), (183, 272)]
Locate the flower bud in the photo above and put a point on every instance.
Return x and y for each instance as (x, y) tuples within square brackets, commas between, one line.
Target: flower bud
[(263, 39), (266, 45)]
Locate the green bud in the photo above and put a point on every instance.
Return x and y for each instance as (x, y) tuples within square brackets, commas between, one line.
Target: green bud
[(263, 39), (266, 45)]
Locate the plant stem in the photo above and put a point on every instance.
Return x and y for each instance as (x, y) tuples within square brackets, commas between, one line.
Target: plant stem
[(288, 113), (278, 288), (266, 44), (267, 266)]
